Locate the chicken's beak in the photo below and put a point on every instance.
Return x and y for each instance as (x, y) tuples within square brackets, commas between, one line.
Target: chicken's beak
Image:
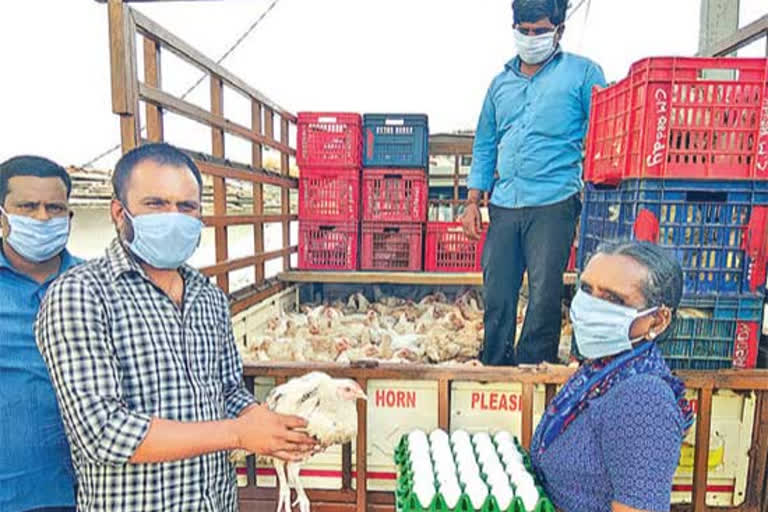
[(361, 396)]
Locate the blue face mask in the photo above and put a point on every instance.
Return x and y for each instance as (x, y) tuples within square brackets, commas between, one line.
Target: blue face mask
[(37, 240), (534, 49), (164, 240), (601, 327)]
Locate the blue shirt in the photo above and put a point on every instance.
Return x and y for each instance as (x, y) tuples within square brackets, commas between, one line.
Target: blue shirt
[(35, 466), (531, 130), (624, 447)]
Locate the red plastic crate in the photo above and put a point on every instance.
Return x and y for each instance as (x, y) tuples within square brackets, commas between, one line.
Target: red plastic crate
[(329, 140), (394, 195), (391, 246), (571, 267), (449, 250), (329, 195), (324, 246), (666, 121)]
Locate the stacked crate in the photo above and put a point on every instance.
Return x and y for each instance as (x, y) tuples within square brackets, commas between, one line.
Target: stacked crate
[(682, 161), (329, 158), (394, 191)]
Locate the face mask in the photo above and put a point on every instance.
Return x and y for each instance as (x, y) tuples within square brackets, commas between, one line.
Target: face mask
[(164, 240), (535, 49), (602, 328), (37, 240)]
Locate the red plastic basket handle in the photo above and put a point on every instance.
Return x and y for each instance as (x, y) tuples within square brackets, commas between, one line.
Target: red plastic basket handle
[(392, 230), (327, 228), (756, 246), (646, 227), (326, 120)]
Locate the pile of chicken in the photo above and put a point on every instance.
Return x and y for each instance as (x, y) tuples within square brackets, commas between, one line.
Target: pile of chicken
[(433, 330)]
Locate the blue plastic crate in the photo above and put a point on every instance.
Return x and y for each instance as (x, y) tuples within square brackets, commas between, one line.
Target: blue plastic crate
[(702, 222), (396, 140), (727, 338)]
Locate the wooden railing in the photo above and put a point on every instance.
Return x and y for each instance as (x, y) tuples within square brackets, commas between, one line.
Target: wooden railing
[(128, 91), (254, 498)]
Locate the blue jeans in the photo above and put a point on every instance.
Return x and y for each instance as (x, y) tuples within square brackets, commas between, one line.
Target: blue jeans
[(537, 239)]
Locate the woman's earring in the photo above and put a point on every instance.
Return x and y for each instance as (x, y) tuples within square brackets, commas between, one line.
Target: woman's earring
[(651, 334)]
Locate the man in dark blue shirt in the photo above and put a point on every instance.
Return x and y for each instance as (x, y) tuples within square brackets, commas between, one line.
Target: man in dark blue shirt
[(531, 131), (35, 467)]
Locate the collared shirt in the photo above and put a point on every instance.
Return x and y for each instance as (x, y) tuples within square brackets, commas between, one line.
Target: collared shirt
[(35, 467), (121, 352), (531, 130)]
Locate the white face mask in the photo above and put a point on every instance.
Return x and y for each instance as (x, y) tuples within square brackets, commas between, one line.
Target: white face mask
[(601, 327), (535, 49)]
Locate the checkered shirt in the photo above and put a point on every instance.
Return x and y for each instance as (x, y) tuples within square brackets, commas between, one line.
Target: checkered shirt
[(120, 352)]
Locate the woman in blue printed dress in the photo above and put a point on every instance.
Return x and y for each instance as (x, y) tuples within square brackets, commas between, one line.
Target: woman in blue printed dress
[(610, 440)]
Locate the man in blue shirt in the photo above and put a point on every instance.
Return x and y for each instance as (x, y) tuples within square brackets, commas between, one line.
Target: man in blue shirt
[(531, 130), (35, 467)]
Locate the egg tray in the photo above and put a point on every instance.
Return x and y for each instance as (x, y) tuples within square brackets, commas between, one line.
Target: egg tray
[(406, 500)]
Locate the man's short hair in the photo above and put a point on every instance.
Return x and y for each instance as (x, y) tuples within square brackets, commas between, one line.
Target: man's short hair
[(160, 153), (531, 11), (29, 165)]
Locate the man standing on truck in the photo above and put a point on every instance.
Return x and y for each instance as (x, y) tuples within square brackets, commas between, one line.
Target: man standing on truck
[(35, 467), (531, 130), (143, 359)]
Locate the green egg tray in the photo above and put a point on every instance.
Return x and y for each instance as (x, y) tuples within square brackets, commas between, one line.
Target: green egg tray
[(406, 500)]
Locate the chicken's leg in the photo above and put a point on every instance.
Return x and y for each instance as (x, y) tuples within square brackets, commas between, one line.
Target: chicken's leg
[(302, 500), (283, 489)]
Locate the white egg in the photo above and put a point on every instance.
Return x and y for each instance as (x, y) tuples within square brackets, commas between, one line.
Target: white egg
[(425, 492), (459, 436), (495, 471), (422, 466), (485, 446), (451, 493), (509, 455), (447, 478), (486, 456), (423, 472), (465, 458), (419, 452), (446, 472), (503, 494), (441, 447), (474, 481), (444, 460), (503, 436), (480, 437), (515, 469), (523, 480), (468, 474), (530, 496), (438, 436), (417, 436), (477, 492)]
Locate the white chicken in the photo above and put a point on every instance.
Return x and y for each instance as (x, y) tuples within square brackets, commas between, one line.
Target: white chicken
[(330, 408)]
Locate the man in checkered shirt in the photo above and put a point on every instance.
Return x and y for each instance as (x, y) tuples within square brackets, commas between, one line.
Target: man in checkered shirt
[(142, 357)]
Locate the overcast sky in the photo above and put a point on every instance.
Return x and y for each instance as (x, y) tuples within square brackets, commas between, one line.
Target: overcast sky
[(432, 56)]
